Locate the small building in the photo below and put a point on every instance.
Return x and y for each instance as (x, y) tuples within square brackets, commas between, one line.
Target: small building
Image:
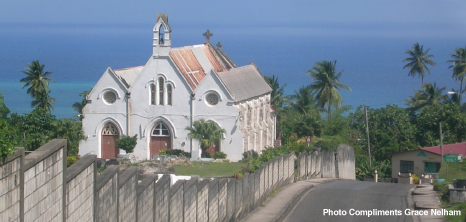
[(425, 160)]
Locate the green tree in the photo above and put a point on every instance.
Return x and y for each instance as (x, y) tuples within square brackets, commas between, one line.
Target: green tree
[(302, 100), (4, 111), (78, 106), (127, 143), (277, 96), (44, 101), (453, 125), (206, 132), (36, 79), (8, 139), (68, 129), (390, 128), (459, 66), (430, 95), (34, 128), (417, 61), (326, 85)]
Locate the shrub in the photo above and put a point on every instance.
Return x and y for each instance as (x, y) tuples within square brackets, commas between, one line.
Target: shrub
[(220, 155), (415, 179), (443, 190), (127, 143), (254, 154), (176, 152), (71, 160)]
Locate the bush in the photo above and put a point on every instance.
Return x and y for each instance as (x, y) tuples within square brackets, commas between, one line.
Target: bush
[(176, 152), (71, 160), (127, 143), (220, 155), (442, 189), (254, 154)]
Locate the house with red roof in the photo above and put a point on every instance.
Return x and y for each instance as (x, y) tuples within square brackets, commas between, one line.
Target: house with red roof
[(424, 160)]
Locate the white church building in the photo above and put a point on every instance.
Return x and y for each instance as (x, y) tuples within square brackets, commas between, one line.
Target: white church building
[(176, 87)]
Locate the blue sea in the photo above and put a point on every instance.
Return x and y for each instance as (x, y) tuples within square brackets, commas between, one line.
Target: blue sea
[(79, 54)]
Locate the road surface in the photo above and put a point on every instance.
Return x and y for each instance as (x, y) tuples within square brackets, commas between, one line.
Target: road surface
[(354, 201)]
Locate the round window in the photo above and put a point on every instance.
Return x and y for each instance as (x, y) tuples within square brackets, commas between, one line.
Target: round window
[(109, 97), (212, 99)]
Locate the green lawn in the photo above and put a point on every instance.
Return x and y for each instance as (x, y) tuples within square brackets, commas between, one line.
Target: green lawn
[(452, 171), (209, 169)]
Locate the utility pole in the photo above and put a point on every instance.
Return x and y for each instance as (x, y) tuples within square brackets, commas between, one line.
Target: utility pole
[(368, 141), (441, 141)]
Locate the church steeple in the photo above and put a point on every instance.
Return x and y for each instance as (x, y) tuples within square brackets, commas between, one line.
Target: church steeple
[(161, 41)]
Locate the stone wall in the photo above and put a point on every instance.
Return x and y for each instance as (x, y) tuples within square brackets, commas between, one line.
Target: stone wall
[(39, 187)]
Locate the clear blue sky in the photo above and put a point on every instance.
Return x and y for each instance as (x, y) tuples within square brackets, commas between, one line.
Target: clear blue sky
[(370, 18)]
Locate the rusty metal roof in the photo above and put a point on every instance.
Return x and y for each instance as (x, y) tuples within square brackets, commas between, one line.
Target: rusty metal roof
[(188, 65), (245, 82)]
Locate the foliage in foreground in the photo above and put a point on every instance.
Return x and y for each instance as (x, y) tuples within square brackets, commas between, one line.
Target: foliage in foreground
[(127, 143)]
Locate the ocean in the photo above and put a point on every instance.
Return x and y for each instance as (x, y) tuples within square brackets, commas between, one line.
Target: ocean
[(79, 54)]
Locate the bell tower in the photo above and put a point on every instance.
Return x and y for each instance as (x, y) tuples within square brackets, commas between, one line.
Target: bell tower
[(161, 41)]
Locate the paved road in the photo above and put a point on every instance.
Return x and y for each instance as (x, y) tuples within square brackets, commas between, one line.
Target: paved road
[(359, 196)]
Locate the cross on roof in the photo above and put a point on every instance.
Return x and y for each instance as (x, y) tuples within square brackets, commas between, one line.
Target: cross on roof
[(208, 34), (219, 45)]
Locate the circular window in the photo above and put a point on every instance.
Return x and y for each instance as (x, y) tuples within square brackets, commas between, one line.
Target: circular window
[(109, 97), (212, 99)]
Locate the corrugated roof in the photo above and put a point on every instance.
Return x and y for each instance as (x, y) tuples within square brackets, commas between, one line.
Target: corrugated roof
[(457, 148), (213, 60), (128, 75), (188, 65), (245, 82)]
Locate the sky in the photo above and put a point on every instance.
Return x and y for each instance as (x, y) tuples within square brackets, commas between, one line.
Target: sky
[(439, 25), (330, 17)]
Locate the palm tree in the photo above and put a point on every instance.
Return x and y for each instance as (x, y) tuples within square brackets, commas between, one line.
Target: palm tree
[(78, 106), (430, 95), (276, 97), (326, 85), (417, 61), (459, 66), (44, 101), (302, 100), (37, 80), (206, 132)]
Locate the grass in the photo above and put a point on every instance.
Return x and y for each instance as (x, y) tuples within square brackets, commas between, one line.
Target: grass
[(209, 169), (452, 171)]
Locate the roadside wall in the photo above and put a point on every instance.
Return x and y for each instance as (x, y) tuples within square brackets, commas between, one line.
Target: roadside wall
[(327, 164), (39, 187)]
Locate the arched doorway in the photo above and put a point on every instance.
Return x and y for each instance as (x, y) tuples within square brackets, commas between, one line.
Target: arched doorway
[(160, 139), (109, 134)]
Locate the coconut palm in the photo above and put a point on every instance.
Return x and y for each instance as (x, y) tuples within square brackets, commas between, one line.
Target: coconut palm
[(276, 97), (302, 100), (37, 80), (326, 85), (417, 60), (44, 101), (430, 95), (459, 66), (78, 106), (206, 132)]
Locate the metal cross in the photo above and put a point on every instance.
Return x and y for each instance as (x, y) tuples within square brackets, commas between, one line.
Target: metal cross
[(219, 45), (208, 34)]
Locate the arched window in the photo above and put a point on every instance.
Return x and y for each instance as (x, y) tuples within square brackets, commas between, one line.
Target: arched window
[(169, 95), (161, 89), (152, 94), (160, 130), (161, 34)]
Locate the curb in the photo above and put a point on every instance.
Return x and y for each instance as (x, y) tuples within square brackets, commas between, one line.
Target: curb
[(284, 213)]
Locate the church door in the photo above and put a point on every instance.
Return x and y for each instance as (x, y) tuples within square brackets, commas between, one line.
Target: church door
[(109, 134), (160, 139), (214, 148)]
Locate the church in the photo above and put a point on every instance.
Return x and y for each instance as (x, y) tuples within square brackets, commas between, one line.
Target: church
[(176, 87)]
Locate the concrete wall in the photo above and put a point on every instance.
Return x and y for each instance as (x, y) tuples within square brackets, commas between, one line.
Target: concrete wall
[(11, 189), (327, 164), (43, 188)]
